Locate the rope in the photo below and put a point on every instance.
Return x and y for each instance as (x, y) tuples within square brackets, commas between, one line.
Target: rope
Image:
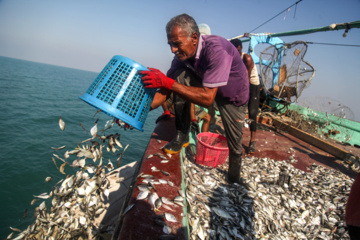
[(276, 16)]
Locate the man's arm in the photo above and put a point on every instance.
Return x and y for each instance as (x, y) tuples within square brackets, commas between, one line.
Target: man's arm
[(201, 96), (159, 98), (154, 78), (249, 63)]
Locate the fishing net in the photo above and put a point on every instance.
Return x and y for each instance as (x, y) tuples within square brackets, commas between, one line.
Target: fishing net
[(335, 112), (328, 105), (284, 72)]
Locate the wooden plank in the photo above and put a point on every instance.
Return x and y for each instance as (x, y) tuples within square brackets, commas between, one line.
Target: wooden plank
[(317, 142)]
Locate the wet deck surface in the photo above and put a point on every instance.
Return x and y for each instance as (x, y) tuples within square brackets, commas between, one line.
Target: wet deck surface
[(280, 145), (139, 222)]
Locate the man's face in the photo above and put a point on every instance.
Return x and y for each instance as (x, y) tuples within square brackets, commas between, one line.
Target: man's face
[(181, 45), (239, 48)]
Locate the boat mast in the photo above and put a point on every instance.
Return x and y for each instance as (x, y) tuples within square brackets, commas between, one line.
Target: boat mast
[(331, 27)]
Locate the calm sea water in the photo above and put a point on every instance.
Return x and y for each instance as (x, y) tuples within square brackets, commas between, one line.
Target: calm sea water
[(33, 96)]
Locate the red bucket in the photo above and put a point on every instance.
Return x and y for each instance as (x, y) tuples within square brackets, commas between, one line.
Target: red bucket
[(212, 149)]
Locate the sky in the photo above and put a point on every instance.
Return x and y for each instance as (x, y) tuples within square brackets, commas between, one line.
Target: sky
[(86, 34)]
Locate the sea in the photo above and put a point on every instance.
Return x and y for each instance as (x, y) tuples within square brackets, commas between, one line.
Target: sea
[(33, 97)]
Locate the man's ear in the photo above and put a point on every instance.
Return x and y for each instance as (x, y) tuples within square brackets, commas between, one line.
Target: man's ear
[(195, 38)]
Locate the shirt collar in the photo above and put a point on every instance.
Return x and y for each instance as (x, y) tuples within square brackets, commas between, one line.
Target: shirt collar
[(199, 48)]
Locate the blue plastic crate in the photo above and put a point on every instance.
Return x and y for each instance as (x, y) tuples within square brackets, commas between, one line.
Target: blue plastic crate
[(119, 92)]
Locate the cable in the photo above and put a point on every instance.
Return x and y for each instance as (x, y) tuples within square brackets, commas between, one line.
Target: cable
[(335, 44), (275, 16)]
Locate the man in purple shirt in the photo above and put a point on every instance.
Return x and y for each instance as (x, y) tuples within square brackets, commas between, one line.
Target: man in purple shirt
[(205, 69)]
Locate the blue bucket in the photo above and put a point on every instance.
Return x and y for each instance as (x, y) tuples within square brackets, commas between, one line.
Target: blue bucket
[(119, 92)]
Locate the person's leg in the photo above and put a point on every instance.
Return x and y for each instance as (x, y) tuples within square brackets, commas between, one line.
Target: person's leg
[(253, 109), (201, 114), (206, 123), (233, 119), (211, 111), (182, 112)]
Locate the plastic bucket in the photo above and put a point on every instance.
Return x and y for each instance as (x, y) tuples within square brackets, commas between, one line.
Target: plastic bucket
[(212, 149), (119, 92)]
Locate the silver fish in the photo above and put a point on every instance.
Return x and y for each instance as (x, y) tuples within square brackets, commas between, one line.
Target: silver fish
[(128, 208), (48, 179), (158, 203), (170, 218), (165, 173), (152, 198), (59, 148), (43, 196), (142, 195), (167, 201), (61, 124), (93, 130)]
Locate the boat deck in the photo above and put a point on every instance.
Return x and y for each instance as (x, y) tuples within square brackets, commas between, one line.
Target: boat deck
[(141, 221), (280, 145)]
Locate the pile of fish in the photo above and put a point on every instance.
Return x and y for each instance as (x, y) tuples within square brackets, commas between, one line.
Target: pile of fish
[(273, 201), (78, 199)]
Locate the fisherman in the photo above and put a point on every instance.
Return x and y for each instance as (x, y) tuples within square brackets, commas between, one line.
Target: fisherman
[(254, 101), (197, 114), (206, 68)]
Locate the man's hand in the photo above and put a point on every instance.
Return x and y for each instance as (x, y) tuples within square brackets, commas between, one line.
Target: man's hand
[(166, 115), (194, 127), (156, 79)]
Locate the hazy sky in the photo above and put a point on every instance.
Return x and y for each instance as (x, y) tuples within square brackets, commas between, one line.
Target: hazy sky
[(86, 34)]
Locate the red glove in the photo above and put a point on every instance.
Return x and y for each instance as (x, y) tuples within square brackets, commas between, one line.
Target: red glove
[(156, 79), (165, 115)]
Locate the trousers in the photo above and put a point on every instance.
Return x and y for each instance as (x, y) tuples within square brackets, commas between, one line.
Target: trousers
[(182, 107)]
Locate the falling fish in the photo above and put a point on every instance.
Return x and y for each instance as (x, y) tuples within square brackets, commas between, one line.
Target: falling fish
[(48, 179), (93, 130), (33, 201), (109, 124), (62, 168), (25, 213), (117, 142), (15, 229), (43, 196), (121, 155), (76, 200), (83, 127), (59, 148), (61, 124), (99, 110), (110, 166), (119, 159)]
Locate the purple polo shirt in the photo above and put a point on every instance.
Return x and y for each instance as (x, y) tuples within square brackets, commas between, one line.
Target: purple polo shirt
[(219, 64)]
